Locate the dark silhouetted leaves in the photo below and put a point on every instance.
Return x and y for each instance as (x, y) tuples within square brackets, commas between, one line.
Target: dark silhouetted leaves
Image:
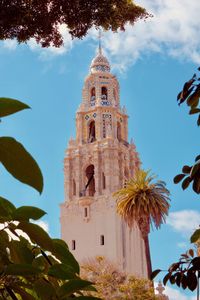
[(20, 163), (10, 106), (155, 273), (178, 178), (186, 183), (186, 169)]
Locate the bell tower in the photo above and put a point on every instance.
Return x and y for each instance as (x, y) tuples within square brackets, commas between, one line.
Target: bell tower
[(96, 164)]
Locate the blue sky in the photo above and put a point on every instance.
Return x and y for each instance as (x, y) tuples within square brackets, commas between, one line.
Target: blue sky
[(152, 61)]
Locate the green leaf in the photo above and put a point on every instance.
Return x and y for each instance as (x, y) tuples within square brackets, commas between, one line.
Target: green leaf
[(10, 106), (195, 236), (72, 286), (20, 253), (21, 270), (6, 209), (62, 271), (62, 252), (24, 294), (44, 289), (20, 163), (28, 212), (155, 273), (178, 178), (186, 183), (37, 235)]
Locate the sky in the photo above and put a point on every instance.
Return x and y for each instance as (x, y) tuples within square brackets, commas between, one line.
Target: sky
[(151, 60)]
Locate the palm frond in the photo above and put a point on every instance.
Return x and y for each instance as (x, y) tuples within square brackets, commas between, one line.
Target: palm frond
[(143, 199)]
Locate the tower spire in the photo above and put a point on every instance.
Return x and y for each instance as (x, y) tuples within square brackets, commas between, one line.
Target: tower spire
[(99, 37)]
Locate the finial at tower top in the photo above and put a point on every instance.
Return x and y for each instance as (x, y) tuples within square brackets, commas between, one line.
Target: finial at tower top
[(100, 36), (100, 62)]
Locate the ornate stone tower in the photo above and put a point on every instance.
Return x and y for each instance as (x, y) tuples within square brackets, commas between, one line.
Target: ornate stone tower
[(97, 163)]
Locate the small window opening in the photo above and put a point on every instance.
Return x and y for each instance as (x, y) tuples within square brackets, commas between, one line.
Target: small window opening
[(102, 240), (90, 180), (118, 131), (92, 96), (85, 212), (73, 245), (74, 187), (92, 134), (103, 181), (104, 93)]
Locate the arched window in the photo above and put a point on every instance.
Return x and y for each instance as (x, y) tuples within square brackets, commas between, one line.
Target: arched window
[(119, 137), (103, 181), (92, 96), (92, 133), (74, 187), (104, 93), (90, 186)]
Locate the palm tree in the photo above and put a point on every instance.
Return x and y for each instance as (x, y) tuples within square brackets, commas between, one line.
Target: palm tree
[(143, 202)]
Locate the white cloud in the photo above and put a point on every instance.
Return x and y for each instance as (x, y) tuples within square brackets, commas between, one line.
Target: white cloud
[(173, 31), (42, 224), (184, 221), (175, 294), (10, 44), (182, 245)]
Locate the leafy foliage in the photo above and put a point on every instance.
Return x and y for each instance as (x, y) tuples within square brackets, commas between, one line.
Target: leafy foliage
[(15, 158), (191, 95), (32, 264), (40, 19), (113, 284), (191, 174), (141, 197), (184, 273)]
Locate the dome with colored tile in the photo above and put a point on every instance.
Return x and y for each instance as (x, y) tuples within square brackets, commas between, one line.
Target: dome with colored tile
[(100, 63)]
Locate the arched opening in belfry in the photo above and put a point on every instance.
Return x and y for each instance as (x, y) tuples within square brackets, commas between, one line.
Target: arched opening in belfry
[(90, 186), (92, 133), (104, 93), (119, 133), (92, 96), (103, 181), (74, 187)]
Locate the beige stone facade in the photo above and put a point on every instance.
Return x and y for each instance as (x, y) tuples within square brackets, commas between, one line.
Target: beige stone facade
[(97, 163)]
